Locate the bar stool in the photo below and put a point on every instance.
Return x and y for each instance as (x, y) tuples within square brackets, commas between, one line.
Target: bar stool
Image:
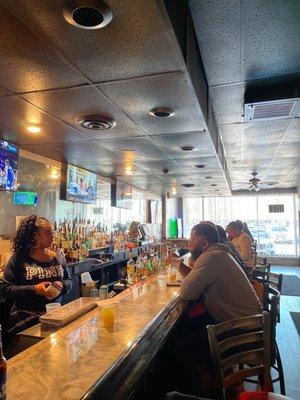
[(229, 354)]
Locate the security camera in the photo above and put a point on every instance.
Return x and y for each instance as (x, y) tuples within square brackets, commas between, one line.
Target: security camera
[(165, 170)]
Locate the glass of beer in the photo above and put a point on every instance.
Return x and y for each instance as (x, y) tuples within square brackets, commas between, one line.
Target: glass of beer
[(108, 313)]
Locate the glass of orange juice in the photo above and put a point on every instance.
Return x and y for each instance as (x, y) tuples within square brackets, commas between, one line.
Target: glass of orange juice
[(108, 313)]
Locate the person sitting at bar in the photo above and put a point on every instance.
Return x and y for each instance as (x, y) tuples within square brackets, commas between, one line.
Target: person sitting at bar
[(232, 250), (244, 227), (217, 280), (34, 275), (240, 240)]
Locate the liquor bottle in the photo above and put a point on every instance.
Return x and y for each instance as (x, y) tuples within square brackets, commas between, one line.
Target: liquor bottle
[(3, 369), (130, 269)]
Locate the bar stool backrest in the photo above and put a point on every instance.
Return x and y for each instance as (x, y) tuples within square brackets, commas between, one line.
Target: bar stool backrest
[(243, 341), (274, 280)]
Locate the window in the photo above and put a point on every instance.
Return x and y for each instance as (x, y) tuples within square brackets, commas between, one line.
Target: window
[(276, 233)]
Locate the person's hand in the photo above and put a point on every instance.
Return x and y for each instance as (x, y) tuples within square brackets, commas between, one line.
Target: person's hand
[(41, 289), (175, 262)]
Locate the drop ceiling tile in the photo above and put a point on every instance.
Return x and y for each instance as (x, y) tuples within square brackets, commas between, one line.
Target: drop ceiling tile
[(69, 103), (227, 102), (15, 116), (278, 24), (137, 42), (293, 132), (34, 64), (217, 29), (172, 143), (138, 96), (135, 149), (73, 153)]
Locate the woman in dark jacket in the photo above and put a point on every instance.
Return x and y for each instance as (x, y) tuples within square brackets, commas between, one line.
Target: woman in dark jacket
[(34, 275)]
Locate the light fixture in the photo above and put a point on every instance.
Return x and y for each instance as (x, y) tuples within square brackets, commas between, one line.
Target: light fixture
[(173, 191), (208, 177), (53, 172), (257, 189), (162, 112), (213, 184), (34, 129), (200, 166), (188, 185), (88, 14), (187, 148)]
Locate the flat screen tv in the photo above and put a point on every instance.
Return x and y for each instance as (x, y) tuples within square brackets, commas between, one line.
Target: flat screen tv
[(25, 198), (9, 155), (121, 195), (78, 184)]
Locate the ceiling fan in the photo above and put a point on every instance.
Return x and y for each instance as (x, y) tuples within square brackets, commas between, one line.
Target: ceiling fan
[(255, 183)]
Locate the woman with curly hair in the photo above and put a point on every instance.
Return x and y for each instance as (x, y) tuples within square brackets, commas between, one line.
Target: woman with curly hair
[(34, 275)]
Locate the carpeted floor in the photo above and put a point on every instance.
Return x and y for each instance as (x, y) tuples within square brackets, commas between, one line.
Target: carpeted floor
[(296, 319), (290, 285)]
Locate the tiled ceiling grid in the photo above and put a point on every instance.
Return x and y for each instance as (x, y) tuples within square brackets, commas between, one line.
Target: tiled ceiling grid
[(242, 41), (53, 72)]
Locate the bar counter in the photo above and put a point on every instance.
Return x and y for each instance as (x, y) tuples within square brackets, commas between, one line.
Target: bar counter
[(87, 360)]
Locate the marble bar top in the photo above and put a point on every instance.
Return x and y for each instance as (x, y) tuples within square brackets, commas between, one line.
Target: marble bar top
[(69, 362)]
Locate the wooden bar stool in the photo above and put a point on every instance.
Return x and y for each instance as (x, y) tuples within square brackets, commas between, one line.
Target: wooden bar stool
[(249, 346)]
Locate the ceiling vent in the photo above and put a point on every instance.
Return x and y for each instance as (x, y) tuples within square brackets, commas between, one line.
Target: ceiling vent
[(96, 122), (269, 110), (88, 14)]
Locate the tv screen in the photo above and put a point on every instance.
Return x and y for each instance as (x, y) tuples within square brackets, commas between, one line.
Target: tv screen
[(25, 198), (121, 195), (9, 154), (78, 185)]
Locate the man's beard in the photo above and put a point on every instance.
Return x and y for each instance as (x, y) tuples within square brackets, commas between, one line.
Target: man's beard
[(196, 253)]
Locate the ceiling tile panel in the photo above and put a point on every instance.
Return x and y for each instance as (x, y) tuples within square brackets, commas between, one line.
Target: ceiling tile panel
[(137, 97), (293, 132), (227, 102), (172, 144), (127, 47), (69, 103), (35, 66), (216, 29), (15, 116), (74, 152), (271, 32), (139, 148)]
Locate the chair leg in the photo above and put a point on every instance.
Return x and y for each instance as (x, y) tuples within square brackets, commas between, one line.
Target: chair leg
[(280, 371)]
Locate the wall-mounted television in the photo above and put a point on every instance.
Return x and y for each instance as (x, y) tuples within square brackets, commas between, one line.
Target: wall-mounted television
[(9, 155), (25, 198), (78, 184), (121, 195)]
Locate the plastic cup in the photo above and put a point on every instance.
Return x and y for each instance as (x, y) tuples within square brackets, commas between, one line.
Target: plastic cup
[(172, 277), (162, 280), (52, 306), (103, 292), (108, 313)]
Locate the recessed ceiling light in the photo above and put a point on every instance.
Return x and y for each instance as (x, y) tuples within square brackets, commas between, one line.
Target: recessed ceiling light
[(162, 112), (95, 122), (91, 14), (213, 184), (34, 129), (200, 166), (217, 190), (208, 177), (187, 148), (188, 185), (128, 172)]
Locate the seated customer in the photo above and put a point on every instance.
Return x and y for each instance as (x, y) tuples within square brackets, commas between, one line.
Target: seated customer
[(218, 280), (240, 240), (217, 277), (232, 250), (244, 227), (34, 275)]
